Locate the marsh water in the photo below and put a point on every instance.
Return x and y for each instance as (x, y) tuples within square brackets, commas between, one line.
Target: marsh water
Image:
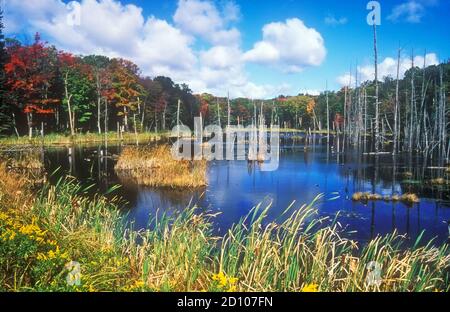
[(305, 170)]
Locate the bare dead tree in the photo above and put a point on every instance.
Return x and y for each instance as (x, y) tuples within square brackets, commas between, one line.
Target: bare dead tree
[(377, 104), (396, 109)]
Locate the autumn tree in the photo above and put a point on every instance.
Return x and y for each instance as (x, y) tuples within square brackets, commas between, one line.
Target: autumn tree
[(30, 73), (127, 90)]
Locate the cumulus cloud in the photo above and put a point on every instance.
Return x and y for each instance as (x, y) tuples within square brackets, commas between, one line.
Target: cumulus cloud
[(202, 18), (290, 46), (158, 46), (107, 27), (345, 79), (387, 68)]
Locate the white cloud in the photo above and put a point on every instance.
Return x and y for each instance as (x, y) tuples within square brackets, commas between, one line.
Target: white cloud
[(290, 46), (220, 57), (312, 92), (333, 21), (411, 11), (231, 12), (387, 68), (202, 18), (159, 47), (345, 79)]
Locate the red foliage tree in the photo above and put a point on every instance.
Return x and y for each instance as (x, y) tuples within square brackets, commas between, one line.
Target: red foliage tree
[(29, 75)]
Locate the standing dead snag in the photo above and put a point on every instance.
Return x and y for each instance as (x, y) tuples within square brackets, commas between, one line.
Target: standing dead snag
[(396, 109), (377, 104)]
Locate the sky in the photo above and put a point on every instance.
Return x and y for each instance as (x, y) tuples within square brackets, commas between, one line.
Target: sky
[(247, 48)]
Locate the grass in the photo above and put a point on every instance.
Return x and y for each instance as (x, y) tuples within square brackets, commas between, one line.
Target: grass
[(406, 198), (28, 164), (84, 138), (28, 160), (155, 166), (438, 181), (40, 233)]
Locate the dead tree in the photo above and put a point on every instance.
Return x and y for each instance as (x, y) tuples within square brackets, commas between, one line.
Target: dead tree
[(396, 109), (377, 104)]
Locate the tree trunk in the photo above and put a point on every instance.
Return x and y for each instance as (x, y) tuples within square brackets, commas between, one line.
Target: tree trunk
[(30, 125), (99, 102), (328, 115), (377, 104), (396, 128), (69, 107)]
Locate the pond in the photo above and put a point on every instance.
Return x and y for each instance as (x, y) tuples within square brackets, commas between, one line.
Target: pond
[(235, 187)]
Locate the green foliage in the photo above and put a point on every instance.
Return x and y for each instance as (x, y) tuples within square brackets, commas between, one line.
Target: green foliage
[(82, 91)]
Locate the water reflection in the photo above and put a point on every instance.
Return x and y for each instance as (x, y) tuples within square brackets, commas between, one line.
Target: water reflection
[(307, 167)]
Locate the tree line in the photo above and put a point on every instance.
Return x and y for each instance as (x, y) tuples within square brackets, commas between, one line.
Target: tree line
[(43, 89)]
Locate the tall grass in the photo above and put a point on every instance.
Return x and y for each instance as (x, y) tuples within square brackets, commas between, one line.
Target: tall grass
[(82, 138), (155, 166), (300, 252)]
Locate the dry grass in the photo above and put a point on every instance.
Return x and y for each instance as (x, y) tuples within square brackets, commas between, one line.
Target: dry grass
[(14, 189), (82, 138), (27, 160), (155, 166), (365, 197), (180, 252), (438, 181), (27, 165)]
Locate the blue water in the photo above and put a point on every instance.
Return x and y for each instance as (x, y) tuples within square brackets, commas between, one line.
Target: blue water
[(234, 188)]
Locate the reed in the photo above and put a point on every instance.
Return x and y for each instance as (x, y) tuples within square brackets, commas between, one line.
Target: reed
[(82, 138), (30, 160), (155, 166), (178, 252), (438, 181), (406, 198)]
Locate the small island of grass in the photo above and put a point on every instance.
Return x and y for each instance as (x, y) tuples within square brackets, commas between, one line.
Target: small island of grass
[(155, 166)]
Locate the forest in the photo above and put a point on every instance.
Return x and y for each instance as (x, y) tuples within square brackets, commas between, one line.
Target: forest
[(44, 90), (55, 91)]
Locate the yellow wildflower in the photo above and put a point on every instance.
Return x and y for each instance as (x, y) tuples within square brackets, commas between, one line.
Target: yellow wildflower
[(221, 278), (41, 256), (311, 288), (3, 216)]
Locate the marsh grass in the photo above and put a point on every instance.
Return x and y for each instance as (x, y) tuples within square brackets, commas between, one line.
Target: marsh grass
[(82, 138), (409, 198), (439, 181), (30, 160), (298, 252), (155, 166)]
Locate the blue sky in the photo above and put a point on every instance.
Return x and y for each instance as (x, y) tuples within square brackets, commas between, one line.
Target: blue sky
[(250, 48)]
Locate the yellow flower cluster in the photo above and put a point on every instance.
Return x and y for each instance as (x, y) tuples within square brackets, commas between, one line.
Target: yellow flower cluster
[(3, 216), (311, 288), (225, 283), (13, 227), (33, 232), (8, 235), (52, 255), (133, 287)]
